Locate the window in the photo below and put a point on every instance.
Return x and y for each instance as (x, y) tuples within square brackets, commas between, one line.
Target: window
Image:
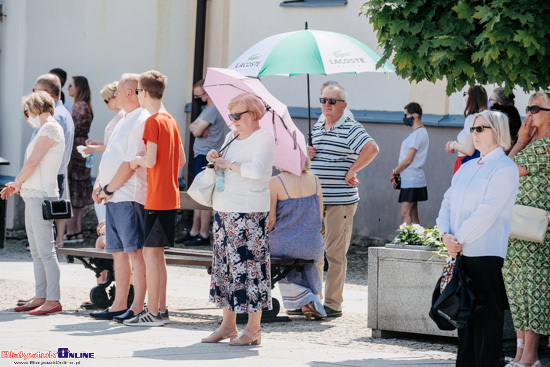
[(313, 3)]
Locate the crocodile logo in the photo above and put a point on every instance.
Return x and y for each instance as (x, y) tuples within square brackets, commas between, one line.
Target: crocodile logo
[(254, 57), (340, 53)]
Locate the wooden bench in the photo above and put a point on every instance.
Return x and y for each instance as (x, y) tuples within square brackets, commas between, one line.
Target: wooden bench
[(98, 261)]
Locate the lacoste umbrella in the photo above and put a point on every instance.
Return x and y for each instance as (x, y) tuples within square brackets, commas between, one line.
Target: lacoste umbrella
[(308, 52), (224, 84)]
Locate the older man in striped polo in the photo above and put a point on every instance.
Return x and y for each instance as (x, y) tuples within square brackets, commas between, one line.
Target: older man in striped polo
[(341, 148)]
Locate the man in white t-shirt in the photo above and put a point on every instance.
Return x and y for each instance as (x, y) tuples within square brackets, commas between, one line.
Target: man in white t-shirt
[(124, 190)]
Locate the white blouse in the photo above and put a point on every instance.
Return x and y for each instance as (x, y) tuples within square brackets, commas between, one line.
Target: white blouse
[(477, 208), (43, 180), (247, 192)]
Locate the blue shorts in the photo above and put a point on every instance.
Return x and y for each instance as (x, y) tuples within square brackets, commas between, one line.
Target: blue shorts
[(198, 163), (125, 226)]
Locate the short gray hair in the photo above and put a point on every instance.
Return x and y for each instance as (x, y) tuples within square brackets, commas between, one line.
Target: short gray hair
[(338, 87), (499, 125), (543, 95)]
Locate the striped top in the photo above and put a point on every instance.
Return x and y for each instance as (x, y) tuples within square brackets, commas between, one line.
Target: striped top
[(336, 150)]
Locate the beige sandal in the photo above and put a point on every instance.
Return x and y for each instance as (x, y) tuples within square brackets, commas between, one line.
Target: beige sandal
[(254, 339), (220, 335)]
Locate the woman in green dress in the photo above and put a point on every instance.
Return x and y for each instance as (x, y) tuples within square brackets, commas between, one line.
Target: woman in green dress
[(527, 266)]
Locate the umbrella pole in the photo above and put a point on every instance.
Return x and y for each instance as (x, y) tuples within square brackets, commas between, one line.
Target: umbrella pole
[(309, 139)]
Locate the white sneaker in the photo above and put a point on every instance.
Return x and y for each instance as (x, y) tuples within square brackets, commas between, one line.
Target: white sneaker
[(145, 318)]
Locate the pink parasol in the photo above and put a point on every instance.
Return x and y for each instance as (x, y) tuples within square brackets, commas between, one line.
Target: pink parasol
[(224, 84)]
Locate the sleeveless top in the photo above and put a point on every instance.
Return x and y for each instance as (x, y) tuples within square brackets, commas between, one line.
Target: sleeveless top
[(297, 231), (43, 180)]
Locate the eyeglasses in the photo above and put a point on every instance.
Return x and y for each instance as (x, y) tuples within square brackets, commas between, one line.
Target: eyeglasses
[(26, 113), (106, 100), (493, 100), (535, 109), (331, 101), (236, 116), (138, 89), (200, 96), (479, 129)]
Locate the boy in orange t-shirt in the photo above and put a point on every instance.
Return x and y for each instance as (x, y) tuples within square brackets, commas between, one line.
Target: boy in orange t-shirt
[(163, 159)]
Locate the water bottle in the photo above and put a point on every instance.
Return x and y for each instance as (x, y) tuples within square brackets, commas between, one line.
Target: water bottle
[(220, 180), (90, 161)]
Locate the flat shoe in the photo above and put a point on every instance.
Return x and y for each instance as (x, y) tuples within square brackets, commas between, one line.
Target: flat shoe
[(26, 308), (57, 308), (129, 314), (251, 339), (220, 335), (105, 314), (21, 302), (297, 311)]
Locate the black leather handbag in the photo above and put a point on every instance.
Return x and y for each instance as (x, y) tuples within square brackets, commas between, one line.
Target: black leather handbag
[(56, 209), (458, 303)]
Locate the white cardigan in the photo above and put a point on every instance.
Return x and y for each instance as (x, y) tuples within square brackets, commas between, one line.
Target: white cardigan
[(247, 192), (477, 208)]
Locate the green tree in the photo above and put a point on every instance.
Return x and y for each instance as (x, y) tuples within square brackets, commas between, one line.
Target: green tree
[(506, 42)]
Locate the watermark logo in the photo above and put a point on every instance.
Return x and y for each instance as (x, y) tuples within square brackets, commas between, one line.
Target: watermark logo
[(66, 353)]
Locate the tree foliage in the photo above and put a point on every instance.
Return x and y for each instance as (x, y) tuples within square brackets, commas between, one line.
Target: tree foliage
[(506, 42)]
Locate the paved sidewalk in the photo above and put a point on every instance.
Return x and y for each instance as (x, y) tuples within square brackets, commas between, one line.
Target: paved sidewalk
[(343, 341)]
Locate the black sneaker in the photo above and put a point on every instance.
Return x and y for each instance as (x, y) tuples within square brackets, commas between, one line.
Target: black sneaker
[(185, 238), (145, 318), (198, 241), (297, 311), (165, 317), (332, 313), (129, 314)]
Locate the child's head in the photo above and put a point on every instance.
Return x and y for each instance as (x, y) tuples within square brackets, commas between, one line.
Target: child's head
[(153, 83)]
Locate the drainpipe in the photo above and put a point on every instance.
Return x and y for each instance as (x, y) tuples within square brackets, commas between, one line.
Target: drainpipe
[(198, 70)]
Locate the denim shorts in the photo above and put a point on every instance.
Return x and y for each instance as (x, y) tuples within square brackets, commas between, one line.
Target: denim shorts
[(125, 226)]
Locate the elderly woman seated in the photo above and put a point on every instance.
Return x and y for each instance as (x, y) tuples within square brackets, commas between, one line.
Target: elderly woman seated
[(295, 231)]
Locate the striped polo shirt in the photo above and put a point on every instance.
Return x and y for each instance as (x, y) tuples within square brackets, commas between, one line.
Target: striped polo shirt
[(336, 150)]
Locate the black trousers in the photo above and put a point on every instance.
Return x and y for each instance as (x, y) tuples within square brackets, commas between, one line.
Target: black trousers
[(480, 343)]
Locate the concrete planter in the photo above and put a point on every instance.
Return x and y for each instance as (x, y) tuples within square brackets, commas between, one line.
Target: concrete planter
[(401, 282)]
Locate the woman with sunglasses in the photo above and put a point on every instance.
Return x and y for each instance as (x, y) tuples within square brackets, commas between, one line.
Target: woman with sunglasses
[(476, 101), (474, 220), (36, 181), (241, 267), (80, 183), (527, 266)]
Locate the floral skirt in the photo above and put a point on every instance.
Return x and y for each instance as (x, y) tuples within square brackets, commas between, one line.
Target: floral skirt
[(241, 271)]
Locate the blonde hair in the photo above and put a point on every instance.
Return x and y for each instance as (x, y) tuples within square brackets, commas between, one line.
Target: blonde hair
[(499, 125), (153, 82), (108, 90), (251, 103), (38, 102), (306, 168)]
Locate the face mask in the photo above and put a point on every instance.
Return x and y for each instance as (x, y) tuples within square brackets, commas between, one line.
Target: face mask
[(490, 104), (34, 121), (408, 121), (200, 102)]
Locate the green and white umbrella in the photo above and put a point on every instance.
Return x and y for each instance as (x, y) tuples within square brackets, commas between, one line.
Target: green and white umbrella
[(308, 52)]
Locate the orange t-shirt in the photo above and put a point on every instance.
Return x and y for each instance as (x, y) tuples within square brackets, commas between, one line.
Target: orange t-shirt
[(162, 180)]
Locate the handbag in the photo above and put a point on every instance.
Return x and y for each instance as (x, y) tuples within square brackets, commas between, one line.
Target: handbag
[(56, 209), (458, 303), (447, 275), (202, 188), (528, 223), (397, 180)]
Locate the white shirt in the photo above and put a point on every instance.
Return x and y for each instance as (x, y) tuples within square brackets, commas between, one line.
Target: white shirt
[(124, 144), (477, 208), (111, 126), (413, 175), (461, 137), (247, 192), (43, 180)]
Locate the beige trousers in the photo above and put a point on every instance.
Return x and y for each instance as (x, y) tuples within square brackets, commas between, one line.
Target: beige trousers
[(336, 230)]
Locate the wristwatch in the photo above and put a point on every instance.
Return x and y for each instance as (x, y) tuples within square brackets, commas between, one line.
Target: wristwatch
[(108, 193), (441, 236)]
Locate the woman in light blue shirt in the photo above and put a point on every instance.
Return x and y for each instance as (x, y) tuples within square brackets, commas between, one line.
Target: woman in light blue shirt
[(475, 219)]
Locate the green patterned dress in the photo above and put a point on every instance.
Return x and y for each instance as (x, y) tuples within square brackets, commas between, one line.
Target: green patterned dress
[(527, 266)]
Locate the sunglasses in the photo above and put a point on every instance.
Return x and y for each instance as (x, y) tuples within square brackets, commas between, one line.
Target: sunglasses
[(479, 129), (138, 89), (331, 101), (199, 96), (26, 113), (535, 109), (106, 100), (464, 94), (236, 116)]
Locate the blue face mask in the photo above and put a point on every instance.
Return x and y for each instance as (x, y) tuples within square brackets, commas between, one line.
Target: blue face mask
[(490, 104), (408, 121)]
